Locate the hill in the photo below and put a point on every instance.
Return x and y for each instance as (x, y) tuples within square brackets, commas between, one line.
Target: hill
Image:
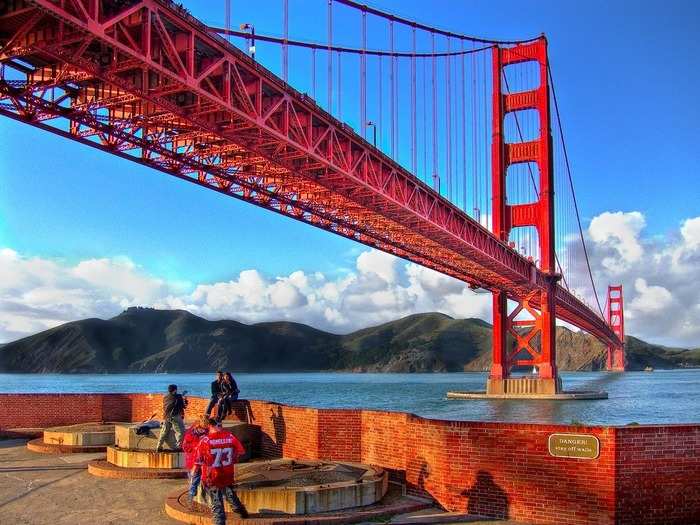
[(149, 340)]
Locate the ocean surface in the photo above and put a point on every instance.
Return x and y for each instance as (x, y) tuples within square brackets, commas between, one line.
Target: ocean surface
[(663, 396)]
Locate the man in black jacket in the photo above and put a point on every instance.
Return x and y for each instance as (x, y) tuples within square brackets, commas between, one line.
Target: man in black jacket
[(173, 418), (215, 391)]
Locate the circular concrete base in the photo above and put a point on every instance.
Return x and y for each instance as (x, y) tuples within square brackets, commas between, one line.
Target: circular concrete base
[(83, 434), (308, 487), (40, 446), (146, 459), (104, 469), (177, 507), (561, 396)]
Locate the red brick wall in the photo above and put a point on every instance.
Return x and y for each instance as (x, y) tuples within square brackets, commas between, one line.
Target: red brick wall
[(658, 474), (644, 474)]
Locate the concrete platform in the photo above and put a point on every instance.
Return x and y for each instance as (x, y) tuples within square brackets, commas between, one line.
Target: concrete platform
[(40, 446), (293, 487), (392, 504), (105, 469), (145, 459), (560, 396), (82, 434), (126, 437)]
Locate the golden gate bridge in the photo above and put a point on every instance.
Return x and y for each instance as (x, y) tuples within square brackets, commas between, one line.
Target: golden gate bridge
[(441, 148)]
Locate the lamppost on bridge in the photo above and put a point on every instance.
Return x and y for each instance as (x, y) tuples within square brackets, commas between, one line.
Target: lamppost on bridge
[(251, 28), (374, 131)]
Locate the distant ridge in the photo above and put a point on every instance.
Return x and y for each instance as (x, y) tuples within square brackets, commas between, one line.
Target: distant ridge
[(150, 340)]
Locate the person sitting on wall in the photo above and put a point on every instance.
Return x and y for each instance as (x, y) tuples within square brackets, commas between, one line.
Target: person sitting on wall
[(193, 436), (173, 418), (229, 394), (215, 391), (218, 451)]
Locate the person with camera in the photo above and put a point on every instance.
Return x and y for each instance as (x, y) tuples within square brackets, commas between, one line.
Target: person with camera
[(174, 405)]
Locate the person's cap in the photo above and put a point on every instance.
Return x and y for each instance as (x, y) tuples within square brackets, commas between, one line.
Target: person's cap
[(172, 388)]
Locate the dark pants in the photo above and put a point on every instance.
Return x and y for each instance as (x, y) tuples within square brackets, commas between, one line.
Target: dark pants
[(216, 502), (211, 404), (225, 406)]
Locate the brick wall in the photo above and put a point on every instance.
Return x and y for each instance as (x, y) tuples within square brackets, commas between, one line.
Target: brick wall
[(644, 474), (658, 474)]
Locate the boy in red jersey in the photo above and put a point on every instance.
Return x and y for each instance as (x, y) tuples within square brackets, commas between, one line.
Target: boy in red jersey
[(190, 443), (218, 452)]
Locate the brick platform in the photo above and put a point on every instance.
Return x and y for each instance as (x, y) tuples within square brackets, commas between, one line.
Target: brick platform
[(648, 474)]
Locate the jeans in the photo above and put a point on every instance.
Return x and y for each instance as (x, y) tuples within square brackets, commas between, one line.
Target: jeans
[(195, 476), (170, 424), (216, 502)]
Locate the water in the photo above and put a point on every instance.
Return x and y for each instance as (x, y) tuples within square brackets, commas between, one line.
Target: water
[(665, 396)]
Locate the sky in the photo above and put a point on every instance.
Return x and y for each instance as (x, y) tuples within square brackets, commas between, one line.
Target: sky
[(86, 234)]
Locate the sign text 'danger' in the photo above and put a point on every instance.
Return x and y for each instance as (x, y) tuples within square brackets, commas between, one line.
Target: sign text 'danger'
[(581, 446)]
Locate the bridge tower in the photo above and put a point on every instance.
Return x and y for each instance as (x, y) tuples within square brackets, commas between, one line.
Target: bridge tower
[(615, 316), (533, 339)]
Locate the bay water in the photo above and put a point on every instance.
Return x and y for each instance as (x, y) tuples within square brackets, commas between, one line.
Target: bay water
[(662, 396)]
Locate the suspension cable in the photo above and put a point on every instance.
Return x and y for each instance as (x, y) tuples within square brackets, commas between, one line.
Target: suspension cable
[(343, 49), (571, 185), (424, 27)]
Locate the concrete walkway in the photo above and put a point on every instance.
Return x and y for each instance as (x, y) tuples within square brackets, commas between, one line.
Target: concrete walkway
[(40, 489), (45, 489)]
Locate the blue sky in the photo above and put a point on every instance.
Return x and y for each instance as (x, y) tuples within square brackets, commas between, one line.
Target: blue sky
[(626, 75)]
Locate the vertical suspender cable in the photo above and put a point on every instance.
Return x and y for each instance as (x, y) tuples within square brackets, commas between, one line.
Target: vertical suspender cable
[(363, 77), (340, 88), (414, 152), (392, 81), (227, 16), (436, 177), (313, 73), (330, 57), (381, 104), (285, 47), (448, 121), (425, 122), (475, 155), (464, 134), (486, 142)]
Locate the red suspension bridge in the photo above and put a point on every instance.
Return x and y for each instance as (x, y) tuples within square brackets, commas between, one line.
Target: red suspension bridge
[(441, 148)]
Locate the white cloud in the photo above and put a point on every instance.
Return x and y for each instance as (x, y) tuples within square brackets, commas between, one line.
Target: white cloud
[(619, 231), (36, 294), (659, 275)]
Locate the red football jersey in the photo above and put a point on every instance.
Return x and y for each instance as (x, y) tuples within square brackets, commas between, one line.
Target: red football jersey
[(218, 452), (190, 443)]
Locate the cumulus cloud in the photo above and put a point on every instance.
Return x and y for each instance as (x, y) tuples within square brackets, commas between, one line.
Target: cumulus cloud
[(37, 293), (659, 275)]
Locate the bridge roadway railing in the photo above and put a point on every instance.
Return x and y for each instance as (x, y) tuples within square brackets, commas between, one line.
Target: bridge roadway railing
[(184, 101)]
